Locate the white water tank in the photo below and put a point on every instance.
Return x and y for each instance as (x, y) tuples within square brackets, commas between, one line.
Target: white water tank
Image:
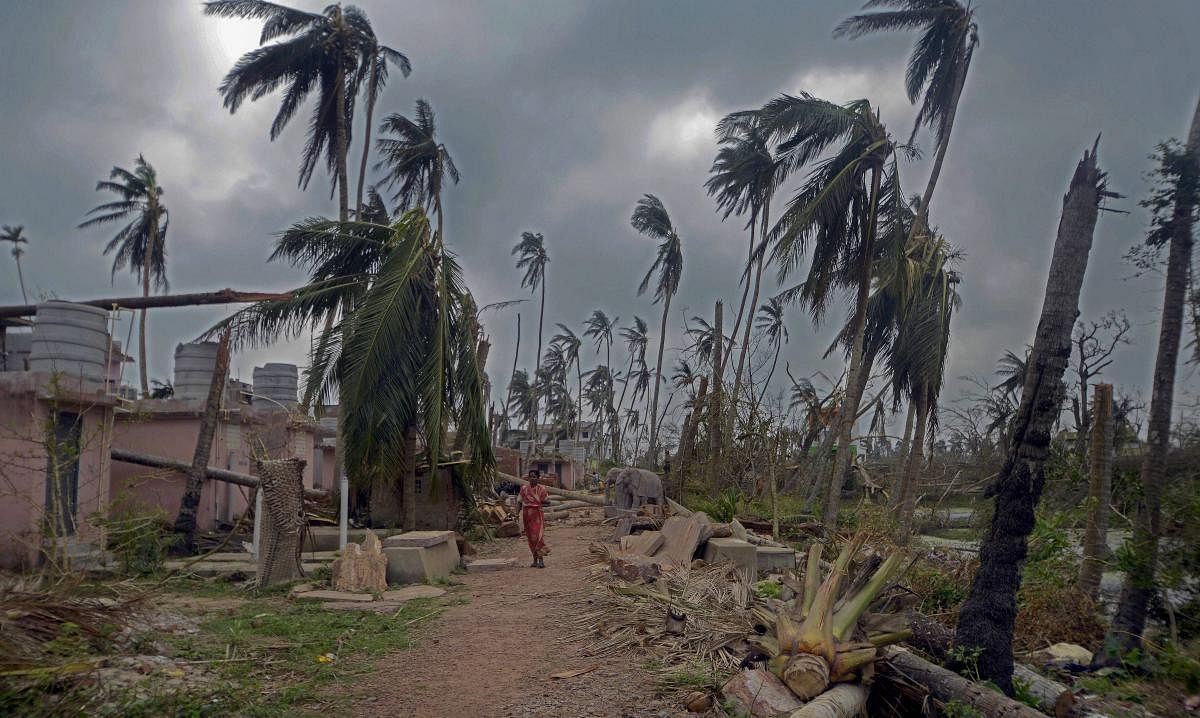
[(194, 365), (277, 382), (71, 339)]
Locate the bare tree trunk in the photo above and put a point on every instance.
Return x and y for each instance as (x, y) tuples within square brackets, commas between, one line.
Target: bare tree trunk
[(856, 379), (1095, 545), (1125, 632), (948, 686), (912, 468), (143, 373), (737, 322), (987, 616), (715, 416), (408, 479), (662, 343), (372, 88), (342, 146), (537, 362), (513, 375), (185, 521), (20, 276)]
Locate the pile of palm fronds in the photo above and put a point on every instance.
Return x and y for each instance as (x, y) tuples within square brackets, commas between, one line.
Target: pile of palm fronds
[(40, 628), (712, 600)]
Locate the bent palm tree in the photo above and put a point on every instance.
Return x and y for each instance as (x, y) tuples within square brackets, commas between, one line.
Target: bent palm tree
[(744, 177), (414, 159), (837, 211), (937, 68), (651, 219), (321, 53), (142, 242), (531, 257), (15, 236), (372, 76), (770, 323)]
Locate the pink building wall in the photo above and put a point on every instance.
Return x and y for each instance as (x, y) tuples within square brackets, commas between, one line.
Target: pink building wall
[(27, 405)]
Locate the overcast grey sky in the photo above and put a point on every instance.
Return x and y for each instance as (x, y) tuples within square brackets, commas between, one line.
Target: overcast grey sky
[(560, 115)]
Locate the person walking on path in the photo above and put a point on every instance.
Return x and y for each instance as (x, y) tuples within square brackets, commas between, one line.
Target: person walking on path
[(530, 501)]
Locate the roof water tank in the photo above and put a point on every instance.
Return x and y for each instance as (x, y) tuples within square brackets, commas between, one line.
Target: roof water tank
[(194, 365), (277, 382), (71, 339)]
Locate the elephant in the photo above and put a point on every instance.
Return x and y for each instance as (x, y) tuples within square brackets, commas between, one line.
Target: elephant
[(637, 487)]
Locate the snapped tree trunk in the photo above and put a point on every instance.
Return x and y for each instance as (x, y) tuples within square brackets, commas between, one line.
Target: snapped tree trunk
[(987, 616), (1125, 632), (715, 416), (185, 521), (1095, 546), (652, 452), (856, 379), (912, 468)]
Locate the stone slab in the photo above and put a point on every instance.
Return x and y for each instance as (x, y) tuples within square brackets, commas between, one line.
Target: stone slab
[(408, 593), (375, 607), (325, 595), (645, 543), (420, 539), (490, 564), (736, 551), (413, 564), (775, 559)]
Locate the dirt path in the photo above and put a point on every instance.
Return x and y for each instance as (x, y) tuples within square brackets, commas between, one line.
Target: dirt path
[(494, 655)]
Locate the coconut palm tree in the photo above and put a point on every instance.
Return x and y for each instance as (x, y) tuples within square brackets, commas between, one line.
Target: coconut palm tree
[(599, 328), (142, 243), (1174, 206), (917, 355), (570, 344), (532, 257), (937, 68), (320, 52), (637, 338), (836, 210), (770, 323), (14, 235), (651, 219), (1011, 368), (401, 353), (415, 163), (522, 397), (743, 178), (372, 76)]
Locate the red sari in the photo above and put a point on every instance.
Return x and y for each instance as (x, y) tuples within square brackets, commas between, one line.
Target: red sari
[(532, 497)]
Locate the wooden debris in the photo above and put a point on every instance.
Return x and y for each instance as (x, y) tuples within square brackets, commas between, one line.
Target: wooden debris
[(635, 568), (681, 537), (947, 686), (645, 543), (841, 701)]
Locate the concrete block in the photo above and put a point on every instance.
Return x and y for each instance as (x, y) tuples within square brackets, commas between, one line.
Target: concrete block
[(490, 564), (775, 559), (415, 564), (736, 551), (420, 539)]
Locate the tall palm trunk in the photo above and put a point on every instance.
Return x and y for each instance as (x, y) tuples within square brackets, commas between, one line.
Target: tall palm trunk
[(744, 350), (342, 145), (147, 264), (935, 172), (1125, 632), (20, 276), (716, 418), (513, 375), (185, 521), (771, 373), (373, 86), (662, 343), (620, 403), (537, 362), (855, 378), (737, 322), (907, 489), (987, 617), (1095, 545)]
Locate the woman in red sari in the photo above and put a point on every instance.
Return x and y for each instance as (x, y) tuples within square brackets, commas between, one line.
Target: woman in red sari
[(530, 500)]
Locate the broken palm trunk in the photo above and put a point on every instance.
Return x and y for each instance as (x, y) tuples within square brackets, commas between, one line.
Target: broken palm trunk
[(282, 521)]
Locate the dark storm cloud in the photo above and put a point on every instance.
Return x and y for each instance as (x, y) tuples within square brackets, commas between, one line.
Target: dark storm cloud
[(560, 116)]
